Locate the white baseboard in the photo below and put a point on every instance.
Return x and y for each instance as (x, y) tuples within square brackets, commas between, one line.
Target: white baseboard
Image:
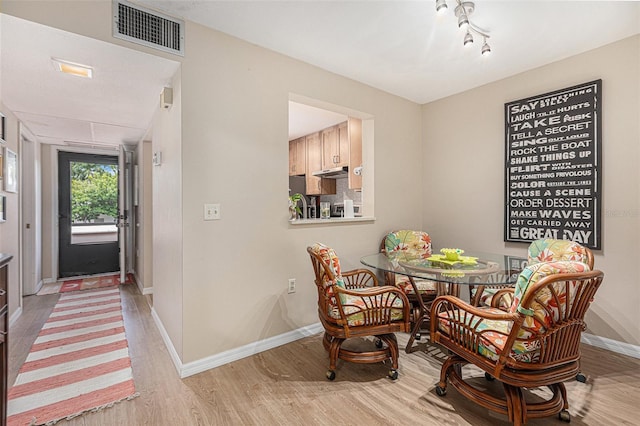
[(195, 367), (139, 283), (13, 318), (39, 286), (231, 355), (611, 345), (167, 341), (143, 290)]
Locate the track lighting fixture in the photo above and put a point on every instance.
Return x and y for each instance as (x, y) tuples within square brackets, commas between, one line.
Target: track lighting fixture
[(441, 6), (463, 11)]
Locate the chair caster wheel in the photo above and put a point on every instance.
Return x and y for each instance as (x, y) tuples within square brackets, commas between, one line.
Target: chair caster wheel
[(564, 416), (331, 375), (379, 343), (393, 374), (441, 391), (489, 377), (581, 378)]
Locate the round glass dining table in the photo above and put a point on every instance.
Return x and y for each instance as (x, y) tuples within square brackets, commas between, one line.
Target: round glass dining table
[(455, 277), (474, 268)]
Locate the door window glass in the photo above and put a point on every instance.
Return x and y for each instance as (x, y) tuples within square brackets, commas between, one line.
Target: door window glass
[(94, 202)]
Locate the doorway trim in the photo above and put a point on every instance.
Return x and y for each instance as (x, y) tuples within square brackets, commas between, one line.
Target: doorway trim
[(30, 217)]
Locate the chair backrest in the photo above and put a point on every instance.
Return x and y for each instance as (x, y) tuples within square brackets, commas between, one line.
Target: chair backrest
[(326, 266), (553, 298), (549, 250), (409, 244)]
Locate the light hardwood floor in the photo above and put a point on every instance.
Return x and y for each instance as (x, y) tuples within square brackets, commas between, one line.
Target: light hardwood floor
[(286, 385)]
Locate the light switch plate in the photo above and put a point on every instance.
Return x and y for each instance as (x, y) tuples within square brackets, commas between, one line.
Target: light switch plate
[(211, 211)]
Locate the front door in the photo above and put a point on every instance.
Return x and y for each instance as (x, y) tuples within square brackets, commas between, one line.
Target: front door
[(87, 211)]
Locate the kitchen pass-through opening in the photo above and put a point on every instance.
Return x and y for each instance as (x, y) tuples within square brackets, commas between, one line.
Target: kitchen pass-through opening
[(330, 159)]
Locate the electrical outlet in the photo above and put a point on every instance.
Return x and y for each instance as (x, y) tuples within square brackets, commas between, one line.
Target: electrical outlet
[(211, 211), (292, 285)]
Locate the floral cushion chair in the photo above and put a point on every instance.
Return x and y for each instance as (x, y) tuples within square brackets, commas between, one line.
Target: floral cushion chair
[(543, 250), (550, 250), (534, 343), (408, 246), (352, 304)]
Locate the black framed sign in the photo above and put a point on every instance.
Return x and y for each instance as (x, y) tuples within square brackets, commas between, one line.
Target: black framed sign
[(553, 166)]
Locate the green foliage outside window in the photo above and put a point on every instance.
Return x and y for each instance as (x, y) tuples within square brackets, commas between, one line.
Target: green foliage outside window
[(94, 191)]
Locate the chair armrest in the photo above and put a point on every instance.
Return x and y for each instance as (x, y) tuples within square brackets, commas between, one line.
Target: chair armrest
[(502, 298), (371, 291), (463, 320), (451, 302), (359, 278)]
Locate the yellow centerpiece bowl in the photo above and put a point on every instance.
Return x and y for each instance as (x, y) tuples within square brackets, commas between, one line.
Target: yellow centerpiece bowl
[(451, 253)]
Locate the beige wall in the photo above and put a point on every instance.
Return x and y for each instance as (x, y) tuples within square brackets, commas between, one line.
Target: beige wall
[(168, 291), (10, 229), (472, 123), (235, 152)]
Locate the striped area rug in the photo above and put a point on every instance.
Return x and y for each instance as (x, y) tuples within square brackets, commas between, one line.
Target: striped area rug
[(79, 362)]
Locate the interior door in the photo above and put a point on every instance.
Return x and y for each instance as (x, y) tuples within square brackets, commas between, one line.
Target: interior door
[(87, 211)]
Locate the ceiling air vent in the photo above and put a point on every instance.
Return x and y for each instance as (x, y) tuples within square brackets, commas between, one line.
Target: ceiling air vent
[(152, 29)]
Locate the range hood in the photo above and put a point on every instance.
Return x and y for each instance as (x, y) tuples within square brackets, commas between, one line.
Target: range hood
[(335, 173)]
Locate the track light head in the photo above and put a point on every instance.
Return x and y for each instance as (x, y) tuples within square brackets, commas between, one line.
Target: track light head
[(486, 49), (463, 20), (441, 6), (468, 39)]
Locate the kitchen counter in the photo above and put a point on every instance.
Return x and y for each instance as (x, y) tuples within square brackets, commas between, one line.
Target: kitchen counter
[(331, 221)]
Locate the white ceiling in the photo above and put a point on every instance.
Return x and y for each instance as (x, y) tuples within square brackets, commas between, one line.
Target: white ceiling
[(405, 48), (401, 47)]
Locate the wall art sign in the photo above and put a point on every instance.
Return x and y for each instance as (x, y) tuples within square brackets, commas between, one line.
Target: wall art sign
[(553, 166)]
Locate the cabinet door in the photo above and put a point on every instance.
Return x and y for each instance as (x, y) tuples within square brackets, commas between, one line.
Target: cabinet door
[(335, 146), (297, 157), (343, 144), (314, 184), (329, 145)]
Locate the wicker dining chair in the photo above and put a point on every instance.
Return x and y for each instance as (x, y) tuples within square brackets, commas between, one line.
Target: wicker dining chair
[(535, 343), (352, 305), (408, 245), (542, 250)]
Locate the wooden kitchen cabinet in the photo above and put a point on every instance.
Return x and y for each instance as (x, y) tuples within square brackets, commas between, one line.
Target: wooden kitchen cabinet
[(335, 146), (314, 184), (297, 156)]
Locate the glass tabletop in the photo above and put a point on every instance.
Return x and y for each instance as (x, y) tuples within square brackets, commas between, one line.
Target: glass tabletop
[(472, 268)]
